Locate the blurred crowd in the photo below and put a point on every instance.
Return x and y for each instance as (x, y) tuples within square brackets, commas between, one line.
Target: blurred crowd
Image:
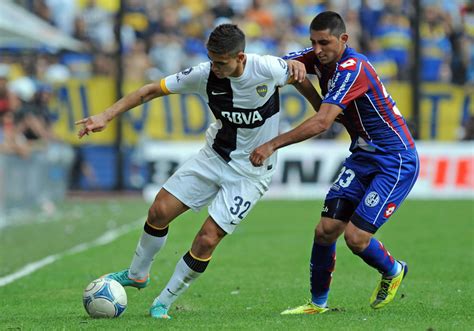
[(161, 37)]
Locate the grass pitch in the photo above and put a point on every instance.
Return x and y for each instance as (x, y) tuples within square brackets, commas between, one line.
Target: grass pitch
[(255, 273)]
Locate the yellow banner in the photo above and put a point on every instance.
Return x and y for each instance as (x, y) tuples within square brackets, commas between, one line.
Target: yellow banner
[(186, 117), (444, 108)]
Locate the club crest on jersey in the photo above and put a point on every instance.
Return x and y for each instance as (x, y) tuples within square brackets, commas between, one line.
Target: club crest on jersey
[(262, 90), (372, 199), (390, 209), (350, 64)]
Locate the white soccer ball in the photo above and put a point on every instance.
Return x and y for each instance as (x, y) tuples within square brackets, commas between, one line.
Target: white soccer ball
[(104, 298)]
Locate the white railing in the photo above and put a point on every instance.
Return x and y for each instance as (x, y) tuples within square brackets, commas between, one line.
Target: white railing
[(38, 180)]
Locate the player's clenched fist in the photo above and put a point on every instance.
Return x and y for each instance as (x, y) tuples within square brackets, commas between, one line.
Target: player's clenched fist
[(260, 154), (94, 123)]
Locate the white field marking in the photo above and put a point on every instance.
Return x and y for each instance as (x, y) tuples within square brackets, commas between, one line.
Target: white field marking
[(104, 239)]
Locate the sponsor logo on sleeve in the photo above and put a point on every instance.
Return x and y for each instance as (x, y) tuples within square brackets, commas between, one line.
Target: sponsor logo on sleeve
[(350, 64), (390, 209), (185, 72), (292, 55), (282, 63)]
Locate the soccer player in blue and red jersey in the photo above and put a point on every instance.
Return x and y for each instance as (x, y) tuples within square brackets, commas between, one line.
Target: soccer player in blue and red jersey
[(374, 179)]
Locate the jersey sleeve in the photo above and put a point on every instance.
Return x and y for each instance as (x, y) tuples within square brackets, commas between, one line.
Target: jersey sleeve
[(348, 83), (187, 81), (275, 68), (305, 56)]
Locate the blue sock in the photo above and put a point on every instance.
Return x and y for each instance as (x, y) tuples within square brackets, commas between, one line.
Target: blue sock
[(323, 260), (378, 257)]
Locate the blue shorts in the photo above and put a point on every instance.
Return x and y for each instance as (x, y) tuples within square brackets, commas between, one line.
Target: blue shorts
[(376, 185)]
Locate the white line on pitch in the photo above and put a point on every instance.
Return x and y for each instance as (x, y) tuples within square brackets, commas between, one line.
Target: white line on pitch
[(104, 239)]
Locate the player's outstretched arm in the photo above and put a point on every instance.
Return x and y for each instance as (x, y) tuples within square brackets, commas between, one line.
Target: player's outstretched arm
[(298, 78), (97, 123), (313, 126), (307, 90)]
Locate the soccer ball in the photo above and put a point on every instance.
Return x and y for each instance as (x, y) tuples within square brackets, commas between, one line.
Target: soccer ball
[(104, 298)]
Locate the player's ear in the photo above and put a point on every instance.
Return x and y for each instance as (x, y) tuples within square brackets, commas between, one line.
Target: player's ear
[(240, 57), (344, 37)]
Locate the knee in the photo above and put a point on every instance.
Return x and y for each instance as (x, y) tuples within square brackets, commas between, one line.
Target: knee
[(355, 242), (325, 236), (158, 214), (207, 240)]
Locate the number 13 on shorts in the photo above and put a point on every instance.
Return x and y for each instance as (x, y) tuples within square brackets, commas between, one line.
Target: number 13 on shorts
[(345, 177)]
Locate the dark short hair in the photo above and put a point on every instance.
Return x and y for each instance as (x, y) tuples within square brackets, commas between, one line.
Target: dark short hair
[(226, 39), (329, 20)]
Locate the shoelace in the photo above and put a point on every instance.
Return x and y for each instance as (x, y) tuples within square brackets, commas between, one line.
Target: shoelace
[(384, 286), (123, 276)]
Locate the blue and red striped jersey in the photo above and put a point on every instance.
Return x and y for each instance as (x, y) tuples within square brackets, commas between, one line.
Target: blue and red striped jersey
[(368, 112)]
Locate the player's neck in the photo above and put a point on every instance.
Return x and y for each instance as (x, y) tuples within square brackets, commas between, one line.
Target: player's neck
[(342, 53), (339, 57), (240, 68)]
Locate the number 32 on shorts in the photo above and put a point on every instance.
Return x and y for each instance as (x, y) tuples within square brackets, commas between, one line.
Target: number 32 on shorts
[(345, 177), (240, 207)]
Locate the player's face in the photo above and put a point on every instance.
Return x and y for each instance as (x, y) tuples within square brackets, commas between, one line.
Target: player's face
[(225, 65), (327, 47)]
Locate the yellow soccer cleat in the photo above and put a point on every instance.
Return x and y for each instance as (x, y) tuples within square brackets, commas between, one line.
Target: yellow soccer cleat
[(387, 288), (309, 308)]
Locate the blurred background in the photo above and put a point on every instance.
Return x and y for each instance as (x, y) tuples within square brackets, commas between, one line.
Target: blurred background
[(63, 60)]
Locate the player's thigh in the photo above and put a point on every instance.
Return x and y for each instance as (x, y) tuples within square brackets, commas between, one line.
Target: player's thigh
[(387, 191), (348, 188), (195, 183), (165, 208), (237, 196)]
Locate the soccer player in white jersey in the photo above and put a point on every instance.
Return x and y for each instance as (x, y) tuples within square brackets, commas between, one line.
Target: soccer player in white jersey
[(242, 92)]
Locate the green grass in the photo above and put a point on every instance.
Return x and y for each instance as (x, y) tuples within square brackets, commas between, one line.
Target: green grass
[(255, 273)]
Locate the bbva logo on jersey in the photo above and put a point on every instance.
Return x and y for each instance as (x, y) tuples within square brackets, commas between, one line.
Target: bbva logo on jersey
[(242, 117), (349, 64)]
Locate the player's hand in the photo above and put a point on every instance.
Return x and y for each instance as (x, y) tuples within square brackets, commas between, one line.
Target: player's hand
[(260, 154), (297, 70), (94, 123)]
